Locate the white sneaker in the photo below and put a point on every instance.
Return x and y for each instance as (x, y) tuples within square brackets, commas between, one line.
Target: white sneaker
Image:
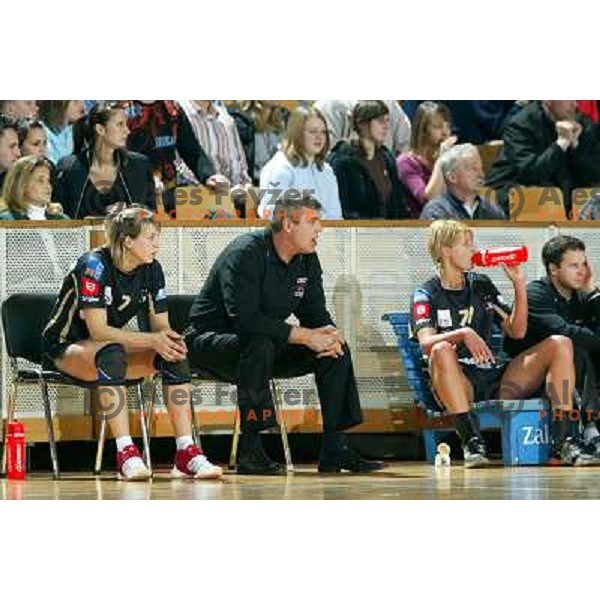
[(190, 462), (131, 466)]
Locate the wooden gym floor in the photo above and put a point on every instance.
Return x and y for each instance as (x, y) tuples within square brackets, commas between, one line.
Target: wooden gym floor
[(399, 481)]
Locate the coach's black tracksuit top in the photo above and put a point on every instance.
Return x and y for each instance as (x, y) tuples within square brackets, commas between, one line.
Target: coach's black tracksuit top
[(250, 291)]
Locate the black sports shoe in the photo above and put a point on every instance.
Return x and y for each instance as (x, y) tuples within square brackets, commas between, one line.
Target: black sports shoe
[(256, 462), (594, 446), (475, 454), (577, 453), (347, 459)]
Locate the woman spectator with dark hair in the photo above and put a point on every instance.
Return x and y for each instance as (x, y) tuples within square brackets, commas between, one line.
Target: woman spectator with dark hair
[(300, 165), (102, 175), (27, 192), (160, 130), (269, 119), (419, 169), (58, 117), (365, 169), (33, 140)]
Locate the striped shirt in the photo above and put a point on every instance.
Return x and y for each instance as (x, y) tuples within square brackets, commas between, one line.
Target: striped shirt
[(218, 136)]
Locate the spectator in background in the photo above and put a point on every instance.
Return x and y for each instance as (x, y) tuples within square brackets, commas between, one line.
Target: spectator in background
[(58, 117), (269, 121), (301, 166), (419, 170), (365, 169), (474, 121), (218, 136), (32, 137), (548, 144), (463, 175), (160, 130), (19, 109), (102, 175), (27, 192), (338, 115), (9, 146)]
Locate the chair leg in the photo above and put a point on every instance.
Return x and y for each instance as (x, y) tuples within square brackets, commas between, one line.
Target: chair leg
[(50, 426), (195, 426), (10, 415), (151, 404), (145, 438), (100, 446), (236, 438), (282, 427)]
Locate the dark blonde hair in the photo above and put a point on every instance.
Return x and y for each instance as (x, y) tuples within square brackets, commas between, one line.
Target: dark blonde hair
[(17, 179), (130, 222), (445, 233), (424, 115), (293, 143)]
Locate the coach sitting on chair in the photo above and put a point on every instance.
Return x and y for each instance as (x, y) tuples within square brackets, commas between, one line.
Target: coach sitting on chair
[(238, 331)]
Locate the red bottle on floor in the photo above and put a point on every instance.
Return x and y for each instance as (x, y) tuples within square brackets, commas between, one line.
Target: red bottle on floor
[(492, 257), (15, 447)]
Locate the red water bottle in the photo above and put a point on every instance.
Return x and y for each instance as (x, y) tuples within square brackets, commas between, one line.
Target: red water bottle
[(492, 257), (15, 447)]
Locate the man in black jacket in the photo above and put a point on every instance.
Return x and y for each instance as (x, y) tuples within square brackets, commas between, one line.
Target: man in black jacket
[(238, 331), (463, 174), (548, 143), (567, 303)]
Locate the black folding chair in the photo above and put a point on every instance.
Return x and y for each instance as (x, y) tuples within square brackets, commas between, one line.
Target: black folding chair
[(24, 317), (179, 310)]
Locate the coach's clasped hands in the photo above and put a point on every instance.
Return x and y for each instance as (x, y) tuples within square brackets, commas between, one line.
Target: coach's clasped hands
[(326, 341)]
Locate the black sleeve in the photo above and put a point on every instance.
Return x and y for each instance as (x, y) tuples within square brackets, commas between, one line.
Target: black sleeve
[(149, 190), (91, 277), (421, 312), (586, 157), (349, 182), (190, 150), (312, 311), (398, 208), (157, 289), (544, 319), (532, 166), (240, 281), (61, 191)]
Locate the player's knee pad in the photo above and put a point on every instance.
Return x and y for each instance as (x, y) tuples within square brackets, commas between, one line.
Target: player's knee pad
[(173, 373), (111, 363)]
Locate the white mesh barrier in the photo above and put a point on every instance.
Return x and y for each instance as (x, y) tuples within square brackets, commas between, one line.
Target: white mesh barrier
[(368, 272)]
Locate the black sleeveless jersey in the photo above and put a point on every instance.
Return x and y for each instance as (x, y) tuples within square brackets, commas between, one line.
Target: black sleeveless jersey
[(95, 282), (446, 310)]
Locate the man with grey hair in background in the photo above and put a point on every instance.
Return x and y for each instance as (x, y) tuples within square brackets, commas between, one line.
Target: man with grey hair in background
[(463, 175), (239, 332)]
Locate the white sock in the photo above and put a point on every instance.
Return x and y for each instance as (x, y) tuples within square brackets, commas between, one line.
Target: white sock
[(183, 442), (590, 431), (124, 441)]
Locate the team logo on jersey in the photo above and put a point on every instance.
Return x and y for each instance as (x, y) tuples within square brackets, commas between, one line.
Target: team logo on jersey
[(444, 318), (89, 287), (300, 287), (421, 307), (421, 310), (108, 298)]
